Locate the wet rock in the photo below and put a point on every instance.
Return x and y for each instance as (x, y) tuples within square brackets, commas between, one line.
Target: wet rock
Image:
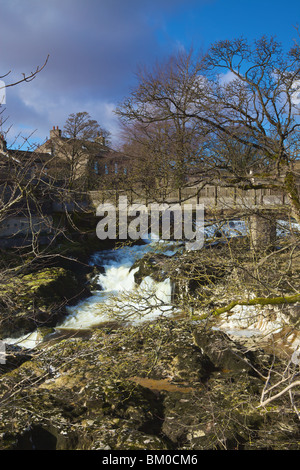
[(223, 352), (13, 358), (92, 278), (170, 384), (187, 272), (37, 299), (150, 265)]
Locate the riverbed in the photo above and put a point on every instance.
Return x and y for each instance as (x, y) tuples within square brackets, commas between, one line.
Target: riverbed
[(118, 297)]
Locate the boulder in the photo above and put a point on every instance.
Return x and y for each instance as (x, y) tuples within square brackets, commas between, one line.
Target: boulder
[(152, 264), (37, 299)]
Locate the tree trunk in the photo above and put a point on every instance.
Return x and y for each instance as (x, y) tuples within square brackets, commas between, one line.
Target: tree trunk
[(292, 191)]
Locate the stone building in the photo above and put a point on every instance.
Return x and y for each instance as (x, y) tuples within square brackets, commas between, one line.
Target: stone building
[(54, 167), (82, 161)]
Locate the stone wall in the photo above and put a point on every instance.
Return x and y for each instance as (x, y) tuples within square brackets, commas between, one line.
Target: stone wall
[(20, 226)]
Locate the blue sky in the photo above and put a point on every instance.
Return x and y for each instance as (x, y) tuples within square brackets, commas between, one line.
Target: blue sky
[(95, 47), (206, 22)]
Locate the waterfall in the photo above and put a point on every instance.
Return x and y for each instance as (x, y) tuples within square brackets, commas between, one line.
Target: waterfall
[(27, 341), (121, 298)]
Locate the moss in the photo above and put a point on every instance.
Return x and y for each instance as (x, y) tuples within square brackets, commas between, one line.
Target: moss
[(37, 299), (259, 301), (81, 248), (47, 285)]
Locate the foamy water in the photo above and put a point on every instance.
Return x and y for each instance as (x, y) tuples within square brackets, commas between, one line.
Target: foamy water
[(120, 297)]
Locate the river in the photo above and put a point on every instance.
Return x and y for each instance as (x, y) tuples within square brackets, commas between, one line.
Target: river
[(118, 296)]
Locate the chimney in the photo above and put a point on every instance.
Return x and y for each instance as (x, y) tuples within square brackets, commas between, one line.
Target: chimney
[(2, 143), (100, 139), (55, 132)]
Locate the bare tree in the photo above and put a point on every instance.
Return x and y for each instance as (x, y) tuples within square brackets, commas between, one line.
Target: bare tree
[(74, 148), (26, 77), (281, 382), (239, 93), (81, 126), (20, 171), (27, 229), (243, 99), (164, 155)]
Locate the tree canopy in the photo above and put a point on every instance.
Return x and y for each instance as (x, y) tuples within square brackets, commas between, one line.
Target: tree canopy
[(242, 101)]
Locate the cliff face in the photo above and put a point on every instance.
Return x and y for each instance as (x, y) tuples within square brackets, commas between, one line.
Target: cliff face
[(172, 384)]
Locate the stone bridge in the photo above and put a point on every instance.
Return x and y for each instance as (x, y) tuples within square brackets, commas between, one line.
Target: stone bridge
[(261, 207), (212, 197)]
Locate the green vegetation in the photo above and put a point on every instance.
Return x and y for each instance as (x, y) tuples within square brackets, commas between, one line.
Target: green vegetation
[(259, 301)]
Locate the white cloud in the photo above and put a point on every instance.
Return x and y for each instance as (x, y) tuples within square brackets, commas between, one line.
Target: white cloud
[(42, 109), (296, 94), (94, 46), (227, 77)]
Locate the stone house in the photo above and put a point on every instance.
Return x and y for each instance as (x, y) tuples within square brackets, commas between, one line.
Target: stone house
[(85, 162), (54, 164)]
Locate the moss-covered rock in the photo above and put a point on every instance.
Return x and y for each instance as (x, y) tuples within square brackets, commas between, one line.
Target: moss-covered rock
[(37, 299)]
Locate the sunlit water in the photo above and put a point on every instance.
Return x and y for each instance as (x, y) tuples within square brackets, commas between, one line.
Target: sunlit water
[(120, 297)]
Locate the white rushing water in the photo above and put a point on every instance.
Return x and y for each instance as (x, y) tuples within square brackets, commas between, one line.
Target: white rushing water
[(120, 297), (27, 341)]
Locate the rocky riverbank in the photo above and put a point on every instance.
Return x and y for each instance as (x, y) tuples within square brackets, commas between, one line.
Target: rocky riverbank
[(183, 383), (39, 299), (172, 384), (38, 296)]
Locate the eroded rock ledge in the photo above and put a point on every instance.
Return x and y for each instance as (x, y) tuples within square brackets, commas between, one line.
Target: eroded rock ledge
[(172, 384), (38, 299)]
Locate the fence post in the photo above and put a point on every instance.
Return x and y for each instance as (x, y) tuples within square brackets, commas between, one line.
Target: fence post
[(179, 195), (216, 195)]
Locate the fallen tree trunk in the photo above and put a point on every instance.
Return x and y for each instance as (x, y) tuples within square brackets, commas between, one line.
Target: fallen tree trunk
[(258, 301)]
